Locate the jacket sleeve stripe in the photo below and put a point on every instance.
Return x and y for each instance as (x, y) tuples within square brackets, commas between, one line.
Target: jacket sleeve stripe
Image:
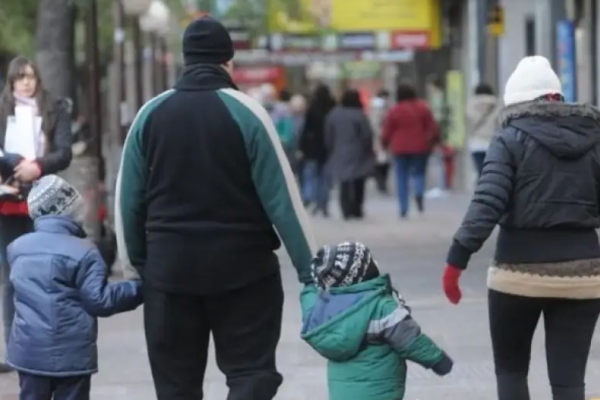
[(274, 180), (130, 209)]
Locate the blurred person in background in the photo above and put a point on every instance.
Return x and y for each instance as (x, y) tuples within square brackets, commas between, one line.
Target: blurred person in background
[(444, 153), (349, 143), (281, 114), (52, 140), (482, 113), (269, 96), (256, 94), (410, 133), (311, 145), (298, 111), (380, 106)]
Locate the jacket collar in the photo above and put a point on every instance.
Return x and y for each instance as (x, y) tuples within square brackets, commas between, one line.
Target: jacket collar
[(547, 109), (199, 77), (59, 224)]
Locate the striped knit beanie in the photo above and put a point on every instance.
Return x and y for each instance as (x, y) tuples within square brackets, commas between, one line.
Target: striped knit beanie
[(344, 264)]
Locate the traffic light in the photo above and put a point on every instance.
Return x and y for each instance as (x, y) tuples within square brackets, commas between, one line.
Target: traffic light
[(495, 23)]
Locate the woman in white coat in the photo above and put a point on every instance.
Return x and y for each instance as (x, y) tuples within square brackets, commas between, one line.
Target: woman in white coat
[(51, 138), (482, 114)]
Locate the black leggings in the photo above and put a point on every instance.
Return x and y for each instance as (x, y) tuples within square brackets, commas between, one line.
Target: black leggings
[(569, 327), (352, 197), (11, 227)]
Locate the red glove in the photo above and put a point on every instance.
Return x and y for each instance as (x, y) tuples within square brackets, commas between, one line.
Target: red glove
[(450, 282)]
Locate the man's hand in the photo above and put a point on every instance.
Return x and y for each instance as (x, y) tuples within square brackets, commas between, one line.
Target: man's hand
[(27, 171)]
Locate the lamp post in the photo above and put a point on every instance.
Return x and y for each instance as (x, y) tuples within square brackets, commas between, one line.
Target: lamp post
[(134, 9), (156, 22), (121, 108), (91, 164)]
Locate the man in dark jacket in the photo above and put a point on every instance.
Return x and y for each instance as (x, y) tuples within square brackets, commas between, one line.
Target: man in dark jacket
[(203, 190)]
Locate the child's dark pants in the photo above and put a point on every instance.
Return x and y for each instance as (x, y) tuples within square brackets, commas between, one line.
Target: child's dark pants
[(36, 387)]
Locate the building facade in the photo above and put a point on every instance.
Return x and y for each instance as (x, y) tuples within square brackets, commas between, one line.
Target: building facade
[(564, 31)]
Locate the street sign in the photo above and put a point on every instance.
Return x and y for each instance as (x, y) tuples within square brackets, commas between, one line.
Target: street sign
[(495, 25)]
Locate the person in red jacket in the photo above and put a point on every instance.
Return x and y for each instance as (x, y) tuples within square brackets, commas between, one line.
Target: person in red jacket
[(410, 134)]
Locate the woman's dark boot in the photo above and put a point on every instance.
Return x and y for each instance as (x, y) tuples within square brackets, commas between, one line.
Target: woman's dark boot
[(565, 393), (5, 368), (420, 203), (512, 387)]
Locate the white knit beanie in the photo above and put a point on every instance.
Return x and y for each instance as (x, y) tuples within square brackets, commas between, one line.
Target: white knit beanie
[(533, 78)]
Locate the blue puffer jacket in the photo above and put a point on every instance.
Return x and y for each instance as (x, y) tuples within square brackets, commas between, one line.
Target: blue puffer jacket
[(61, 287)]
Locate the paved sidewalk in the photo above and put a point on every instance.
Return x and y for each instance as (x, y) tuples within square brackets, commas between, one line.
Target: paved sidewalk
[(413, 252)]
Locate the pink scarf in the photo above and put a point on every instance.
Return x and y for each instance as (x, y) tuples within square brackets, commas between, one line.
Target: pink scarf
[(27, 101), (40, 138)]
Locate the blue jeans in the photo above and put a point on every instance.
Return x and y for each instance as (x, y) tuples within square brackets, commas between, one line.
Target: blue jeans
[(11, 227), (410, 167), (315, 185)]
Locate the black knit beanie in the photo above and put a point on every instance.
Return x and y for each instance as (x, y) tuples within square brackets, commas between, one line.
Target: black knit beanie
[(206, 41)]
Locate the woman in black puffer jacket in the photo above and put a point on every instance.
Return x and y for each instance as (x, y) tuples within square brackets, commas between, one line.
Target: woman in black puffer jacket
[(540, 183)]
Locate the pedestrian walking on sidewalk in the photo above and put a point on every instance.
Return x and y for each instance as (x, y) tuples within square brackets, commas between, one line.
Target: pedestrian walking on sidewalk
[(349, 144), (354, 317), (482, 114), (204, 194), (541, 184), (298, 110), (311, 144), (378, 110), (60, 283), (50, 134), (410, 133)]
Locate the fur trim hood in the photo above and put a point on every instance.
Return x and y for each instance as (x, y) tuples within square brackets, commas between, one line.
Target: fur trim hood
[(547, 109), (568, 131)]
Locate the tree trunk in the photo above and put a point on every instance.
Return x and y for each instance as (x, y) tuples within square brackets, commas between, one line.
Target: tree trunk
[(55, 56), (55, 45)]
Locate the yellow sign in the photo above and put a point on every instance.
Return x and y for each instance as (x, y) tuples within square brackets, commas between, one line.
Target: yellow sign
[(456, 102), (298, 16), (496, 21), (367, 15), (310, 16)]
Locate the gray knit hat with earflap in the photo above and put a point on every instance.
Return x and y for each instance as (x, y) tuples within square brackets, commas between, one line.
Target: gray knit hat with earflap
[(52, 195)]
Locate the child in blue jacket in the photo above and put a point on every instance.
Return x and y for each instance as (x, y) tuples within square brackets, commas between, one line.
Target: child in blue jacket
[(61, 287)]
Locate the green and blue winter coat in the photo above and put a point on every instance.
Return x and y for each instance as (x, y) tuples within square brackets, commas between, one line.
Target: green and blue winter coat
[(367, 334)]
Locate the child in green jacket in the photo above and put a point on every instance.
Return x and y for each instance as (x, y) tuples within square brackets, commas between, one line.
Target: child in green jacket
[(354, 318)]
